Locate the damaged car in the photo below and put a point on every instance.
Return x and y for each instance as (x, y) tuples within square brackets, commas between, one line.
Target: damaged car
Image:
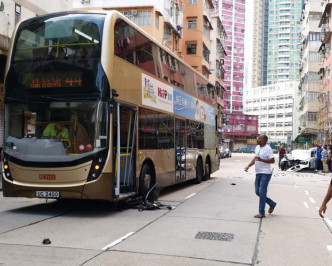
[(297, 160)]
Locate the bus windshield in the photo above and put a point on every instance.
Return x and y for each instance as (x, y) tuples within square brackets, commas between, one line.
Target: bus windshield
[(55, 131), (55, 90), (56, 55)]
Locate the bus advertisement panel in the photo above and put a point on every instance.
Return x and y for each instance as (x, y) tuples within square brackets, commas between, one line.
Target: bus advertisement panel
[(159, 95)]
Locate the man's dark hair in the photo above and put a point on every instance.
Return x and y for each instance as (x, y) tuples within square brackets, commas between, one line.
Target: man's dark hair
[(265, 137)]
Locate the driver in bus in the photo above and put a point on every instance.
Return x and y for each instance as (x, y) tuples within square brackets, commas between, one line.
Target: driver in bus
[(56, 130)]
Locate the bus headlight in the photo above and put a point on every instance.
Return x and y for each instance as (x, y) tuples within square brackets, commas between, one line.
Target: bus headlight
[(96, 169), (6, 170)]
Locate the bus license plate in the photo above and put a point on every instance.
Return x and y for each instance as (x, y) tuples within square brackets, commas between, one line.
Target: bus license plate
[(48, 194)]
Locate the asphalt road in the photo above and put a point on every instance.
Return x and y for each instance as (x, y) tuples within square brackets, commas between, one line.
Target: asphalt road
[(211, 224)]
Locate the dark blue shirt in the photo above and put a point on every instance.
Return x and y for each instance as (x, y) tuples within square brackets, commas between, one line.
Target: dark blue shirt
[(318, 153)]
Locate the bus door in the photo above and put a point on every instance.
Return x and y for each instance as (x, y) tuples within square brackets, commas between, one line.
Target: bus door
[(124, 145), (180, 150)]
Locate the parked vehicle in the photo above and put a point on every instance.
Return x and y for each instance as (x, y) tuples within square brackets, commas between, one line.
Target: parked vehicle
[(222, 152), (228, 153), (246, 150), (297, 160)]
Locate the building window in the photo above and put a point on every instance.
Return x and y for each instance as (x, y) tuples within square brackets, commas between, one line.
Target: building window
[(157, 22), (312, 116), (192, 2), (206, 53), (192, 24), (141, 18), (191, 48), (17, 13)]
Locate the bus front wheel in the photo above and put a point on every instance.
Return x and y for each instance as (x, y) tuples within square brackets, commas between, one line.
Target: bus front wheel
[(199, 171), (146, 181)]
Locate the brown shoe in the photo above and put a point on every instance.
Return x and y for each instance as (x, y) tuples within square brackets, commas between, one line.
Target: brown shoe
[(259, 216), (272, 208)]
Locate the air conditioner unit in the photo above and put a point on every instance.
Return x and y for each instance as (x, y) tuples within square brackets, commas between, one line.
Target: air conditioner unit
[(134, 12), (222, 62), (242, 125)]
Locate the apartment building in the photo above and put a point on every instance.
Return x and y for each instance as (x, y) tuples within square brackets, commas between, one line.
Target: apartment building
[(257, 18), (324, 113), (274, 105), (162, 19), (284, 41), (217, 59), (310, 82), (197, 34), (239, 128)]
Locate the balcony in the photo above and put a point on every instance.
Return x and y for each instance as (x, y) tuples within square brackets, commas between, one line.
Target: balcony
[(326, 13)]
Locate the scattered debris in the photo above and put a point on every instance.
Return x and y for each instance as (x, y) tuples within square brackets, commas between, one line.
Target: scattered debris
[(46, 241)]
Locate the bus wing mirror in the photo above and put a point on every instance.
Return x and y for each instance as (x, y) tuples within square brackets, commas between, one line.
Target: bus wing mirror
[(112, 104)]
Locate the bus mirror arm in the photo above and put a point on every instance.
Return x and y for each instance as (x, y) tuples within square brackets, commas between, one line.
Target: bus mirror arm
[(111, 104)]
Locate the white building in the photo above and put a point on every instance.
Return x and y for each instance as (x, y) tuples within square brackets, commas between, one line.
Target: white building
[(274, 105)]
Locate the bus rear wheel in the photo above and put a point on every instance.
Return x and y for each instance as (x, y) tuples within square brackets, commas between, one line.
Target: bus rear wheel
[(146, 181), (199, 171), (207, 169)]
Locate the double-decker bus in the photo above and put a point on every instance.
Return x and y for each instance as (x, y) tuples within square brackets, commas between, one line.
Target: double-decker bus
[(130, 111)]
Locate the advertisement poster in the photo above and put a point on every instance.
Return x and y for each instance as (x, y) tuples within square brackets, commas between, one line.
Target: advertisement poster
[(156, 94), (188, 106), (164, 97)]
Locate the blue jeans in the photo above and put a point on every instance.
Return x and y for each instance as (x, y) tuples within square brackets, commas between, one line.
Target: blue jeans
[(317, 164), (261, 183)]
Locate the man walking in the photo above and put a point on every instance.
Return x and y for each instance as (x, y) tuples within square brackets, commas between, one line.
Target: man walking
[(318, 155), (282, 153), (327, 198), (324, 159), (262, 161)]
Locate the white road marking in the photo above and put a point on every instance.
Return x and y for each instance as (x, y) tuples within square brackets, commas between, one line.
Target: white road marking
[(295, 186), (329, 249), (191, 195), (118, 241), (237, 160), (317, 208), (312, 200), (306, 192), (328, 222), (306, 204)]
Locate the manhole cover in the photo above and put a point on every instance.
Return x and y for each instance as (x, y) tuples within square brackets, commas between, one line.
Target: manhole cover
[(215, 236)]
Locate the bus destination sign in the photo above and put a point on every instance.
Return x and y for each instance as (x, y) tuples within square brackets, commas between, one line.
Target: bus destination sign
[(54, 80)]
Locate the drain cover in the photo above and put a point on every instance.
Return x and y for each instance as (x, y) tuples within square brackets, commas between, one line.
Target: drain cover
[(215, 236)]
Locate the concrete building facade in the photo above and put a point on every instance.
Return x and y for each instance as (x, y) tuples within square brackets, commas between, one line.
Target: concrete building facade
[(310, 82), (325, 114), (275, 106)]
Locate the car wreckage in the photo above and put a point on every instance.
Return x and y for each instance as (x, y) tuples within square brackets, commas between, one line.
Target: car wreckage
[(297, 160)]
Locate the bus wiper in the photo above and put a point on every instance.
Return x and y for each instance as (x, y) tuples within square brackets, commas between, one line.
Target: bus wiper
[(54, 98), (16, 100)]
